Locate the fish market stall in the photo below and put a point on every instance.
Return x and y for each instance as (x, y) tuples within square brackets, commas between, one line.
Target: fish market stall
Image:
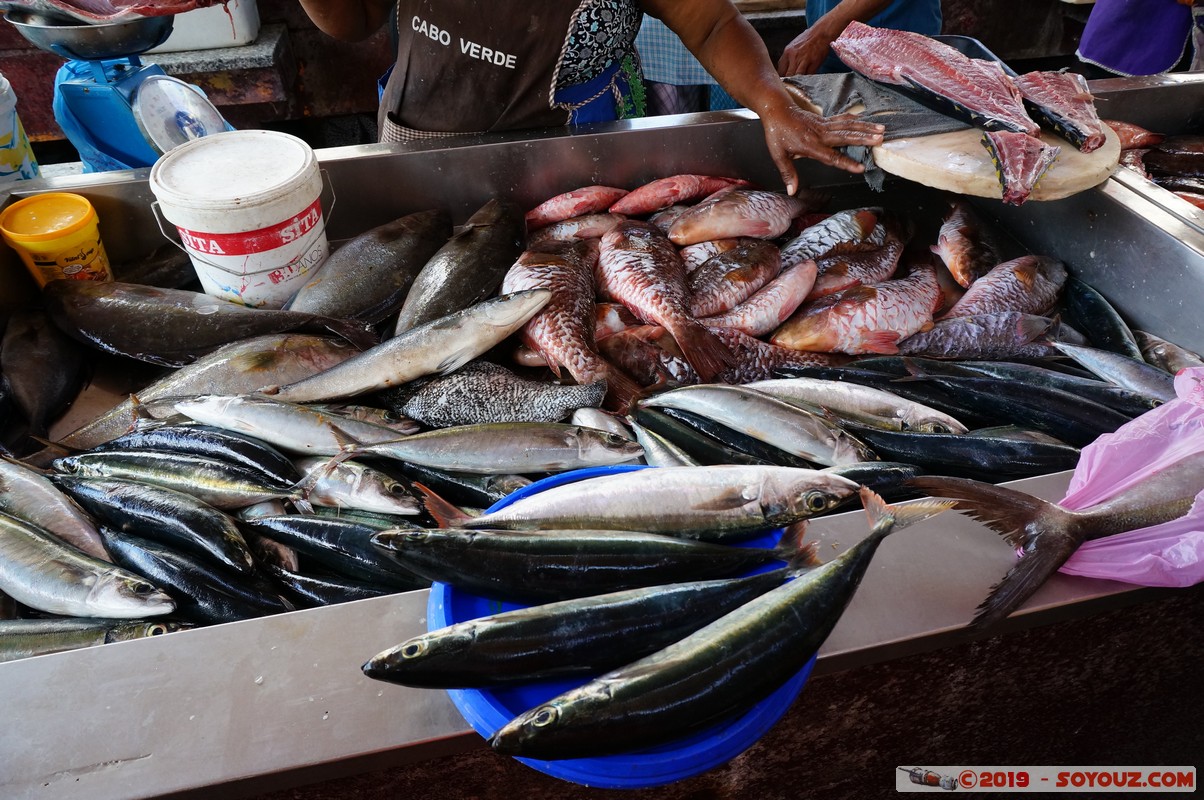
[(275, 700)]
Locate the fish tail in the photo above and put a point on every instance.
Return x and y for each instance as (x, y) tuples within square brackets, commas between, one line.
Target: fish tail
[(885, 518), (799, 556), (705, 352), (1047, 533), (442, 512)]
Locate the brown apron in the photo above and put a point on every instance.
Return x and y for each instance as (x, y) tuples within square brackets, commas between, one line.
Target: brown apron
[(473, 67)]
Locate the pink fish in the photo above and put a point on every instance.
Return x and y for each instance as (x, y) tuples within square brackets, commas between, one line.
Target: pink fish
[(864, 319), (695, 255), (1132, 136), (640, 268), (665, 192), (649, 353), (1029, 284), (577, 203), (730, 278), (563, 331), (965, 245), (590, 226), (1020, 161), (664, 219), (846, 267), (740, 212), (757, 360), (853, 226), (771, 305)]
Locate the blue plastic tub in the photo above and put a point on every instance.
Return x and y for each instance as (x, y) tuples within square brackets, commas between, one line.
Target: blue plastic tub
[(487, 710)]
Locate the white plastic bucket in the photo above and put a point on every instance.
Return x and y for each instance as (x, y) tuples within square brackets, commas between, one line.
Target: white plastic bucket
[(247, 206), (17, 160)]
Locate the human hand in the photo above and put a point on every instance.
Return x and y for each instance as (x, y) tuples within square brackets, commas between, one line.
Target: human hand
[(805, 54), (793, 133)]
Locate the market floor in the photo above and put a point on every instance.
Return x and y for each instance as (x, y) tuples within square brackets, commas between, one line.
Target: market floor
[(1115, 689)]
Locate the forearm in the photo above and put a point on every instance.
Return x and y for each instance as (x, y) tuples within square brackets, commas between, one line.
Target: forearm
[(835, 21), (728, 47), (347, 20)]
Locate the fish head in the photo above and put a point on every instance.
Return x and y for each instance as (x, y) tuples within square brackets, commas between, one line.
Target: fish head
[(812, 332), (120, 594), (144, 630), (551, 723), (811, 492), (604, 447), (419, 651)]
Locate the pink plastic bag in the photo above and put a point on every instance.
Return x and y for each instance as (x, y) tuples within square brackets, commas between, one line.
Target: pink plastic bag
[(1170, 554)]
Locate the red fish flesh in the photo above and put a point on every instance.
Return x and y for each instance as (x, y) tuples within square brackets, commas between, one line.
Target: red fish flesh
[(665, 192), (1020, 161), (771, 305), (1133, 135), (965, 245), (577, 203), (730, 278), (640, 268), (1029, 284), (1063, 101), (740, 212), (975, 90), (563, 330), (99, 12), (865, 319)]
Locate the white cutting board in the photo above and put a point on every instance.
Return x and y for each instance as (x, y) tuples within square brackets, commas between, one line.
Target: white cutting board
[(958, 162)]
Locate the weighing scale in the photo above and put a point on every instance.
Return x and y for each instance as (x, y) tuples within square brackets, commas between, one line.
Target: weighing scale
[(111, 106)]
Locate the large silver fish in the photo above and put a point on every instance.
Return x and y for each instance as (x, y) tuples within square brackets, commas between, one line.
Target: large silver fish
[(467, 269), (357, 486), (711, 675), (774, 421), (173, 327), (436, 347), (43, 573), (369, 275), (23, 638), (234, 369), (865, 404), (29, 495), (485, 392), (719, 502)]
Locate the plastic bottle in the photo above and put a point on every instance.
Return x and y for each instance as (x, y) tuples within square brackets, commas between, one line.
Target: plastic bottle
[(17, 160)]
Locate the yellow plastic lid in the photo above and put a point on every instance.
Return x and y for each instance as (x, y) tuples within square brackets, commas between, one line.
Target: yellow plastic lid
[(46, 216)]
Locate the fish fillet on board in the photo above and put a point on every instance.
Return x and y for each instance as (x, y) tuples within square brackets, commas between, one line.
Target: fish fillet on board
[(1020, 161), (976, 90), (1063, 100)]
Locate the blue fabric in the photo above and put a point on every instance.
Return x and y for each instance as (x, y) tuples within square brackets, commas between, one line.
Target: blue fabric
[(1136, 37), (665, 59), (602, 108)]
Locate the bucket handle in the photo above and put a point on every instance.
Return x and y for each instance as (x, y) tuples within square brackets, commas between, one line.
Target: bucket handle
[(159, 219)]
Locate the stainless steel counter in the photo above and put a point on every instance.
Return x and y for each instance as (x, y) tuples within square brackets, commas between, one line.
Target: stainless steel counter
[(285, 694)]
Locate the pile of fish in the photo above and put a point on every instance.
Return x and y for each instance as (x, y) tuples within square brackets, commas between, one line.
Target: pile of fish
[(981, 93), (665, 646), (425, 373), (1176, 163)]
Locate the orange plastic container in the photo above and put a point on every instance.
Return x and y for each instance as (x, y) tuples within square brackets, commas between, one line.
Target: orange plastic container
[(57, 236)]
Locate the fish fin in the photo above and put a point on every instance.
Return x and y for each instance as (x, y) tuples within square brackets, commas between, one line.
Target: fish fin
[(705, 352), (358, 334), (881, 342), (1022, 580), (799, 556), (444, 513), (900, 516), (1047, 533), (622, 392), (269, 390), (1033, 328), (1012, 514), (1027, 275)]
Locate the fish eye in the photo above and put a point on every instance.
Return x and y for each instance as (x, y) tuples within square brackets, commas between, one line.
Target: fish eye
[(413, 648), (544, 717), (414, 537), (138, 587), (157, 629), (815, 501), (933, 427)]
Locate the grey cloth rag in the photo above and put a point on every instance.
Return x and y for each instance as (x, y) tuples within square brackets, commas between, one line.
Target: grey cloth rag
[(836, 92)]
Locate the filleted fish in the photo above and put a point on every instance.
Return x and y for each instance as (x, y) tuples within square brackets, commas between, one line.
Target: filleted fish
[(1020, 162)]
